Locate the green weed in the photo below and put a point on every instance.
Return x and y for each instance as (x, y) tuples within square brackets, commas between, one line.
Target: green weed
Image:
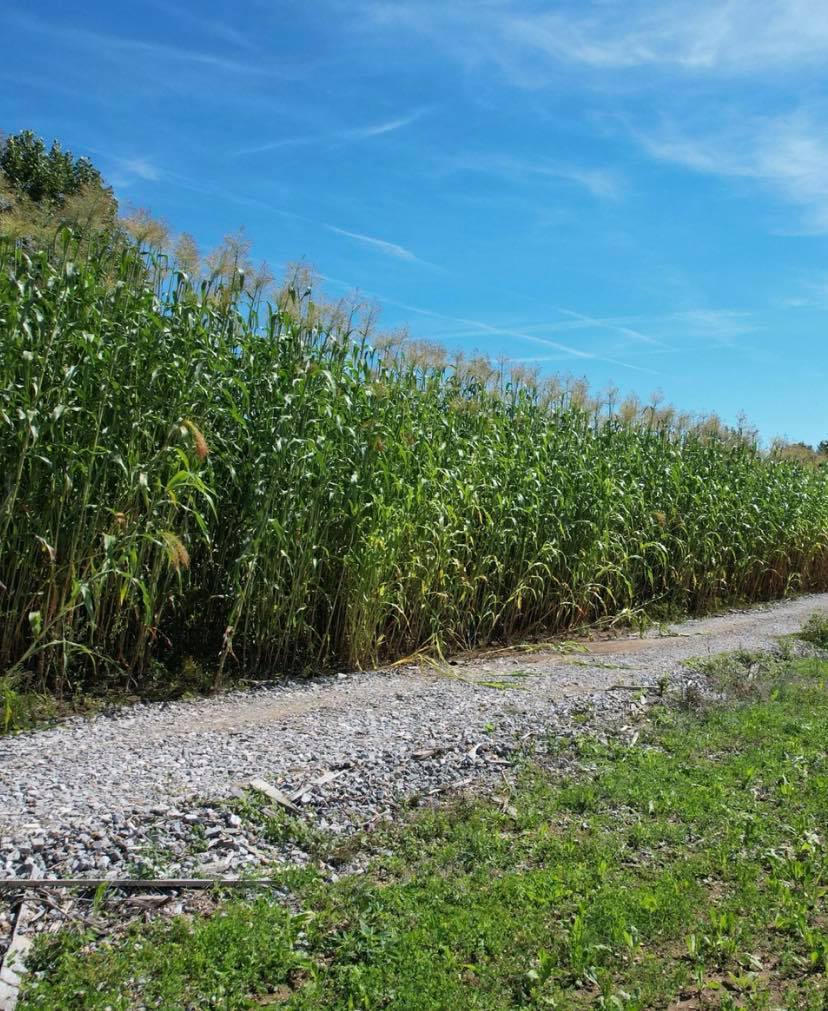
[(815, 630)]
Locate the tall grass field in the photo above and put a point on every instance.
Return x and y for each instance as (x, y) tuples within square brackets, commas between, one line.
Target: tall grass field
[(186, 473)]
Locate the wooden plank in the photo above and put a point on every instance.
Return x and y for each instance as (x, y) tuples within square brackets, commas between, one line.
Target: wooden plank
[(11, 972), (323, 780), (263, 787), (12, 965), (132, 884)]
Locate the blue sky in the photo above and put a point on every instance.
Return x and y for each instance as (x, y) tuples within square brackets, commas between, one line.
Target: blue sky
[(629, 190)]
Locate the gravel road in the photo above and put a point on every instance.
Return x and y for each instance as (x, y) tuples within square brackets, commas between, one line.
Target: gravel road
[(93, 796)]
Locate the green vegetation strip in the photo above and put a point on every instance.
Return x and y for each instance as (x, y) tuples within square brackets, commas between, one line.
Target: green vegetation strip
[(689, 870)]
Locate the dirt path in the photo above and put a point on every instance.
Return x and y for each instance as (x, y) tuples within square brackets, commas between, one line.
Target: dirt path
[(385, 735)]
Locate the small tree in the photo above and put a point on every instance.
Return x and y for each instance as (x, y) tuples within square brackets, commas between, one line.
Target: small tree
[(42, 189), (43, 175)]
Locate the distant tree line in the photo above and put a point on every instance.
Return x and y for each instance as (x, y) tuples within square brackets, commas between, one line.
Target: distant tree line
[(802, 451)]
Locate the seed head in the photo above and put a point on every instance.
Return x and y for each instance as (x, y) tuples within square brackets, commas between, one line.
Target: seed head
[(201, 447), (177, 554)]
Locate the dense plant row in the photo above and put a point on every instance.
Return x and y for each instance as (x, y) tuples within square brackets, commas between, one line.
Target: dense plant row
[(180, 478)]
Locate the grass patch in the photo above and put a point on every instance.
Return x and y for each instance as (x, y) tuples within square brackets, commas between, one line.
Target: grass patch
[(815, 630), (687, 871), (743, 674)]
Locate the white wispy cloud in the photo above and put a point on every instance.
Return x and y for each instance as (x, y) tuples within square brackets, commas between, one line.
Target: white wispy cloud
[(600, 182), (196, 21), (355, 133), (717, 324), (566, 349), (712, 322), (694, 35), (378, 129), (609, 324), (391, 249), (388, 248), (141, 167), (787, 155), (478, 328), (122, 171), (680, 53), (689, 331), (103, 44), (525, 40), (812, 293), (667, 333), (243, 200)]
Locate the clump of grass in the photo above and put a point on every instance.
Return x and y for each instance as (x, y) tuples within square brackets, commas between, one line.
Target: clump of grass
[(742, 674), (277, 826), (815, 630), (21, 709), (190, 473)]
